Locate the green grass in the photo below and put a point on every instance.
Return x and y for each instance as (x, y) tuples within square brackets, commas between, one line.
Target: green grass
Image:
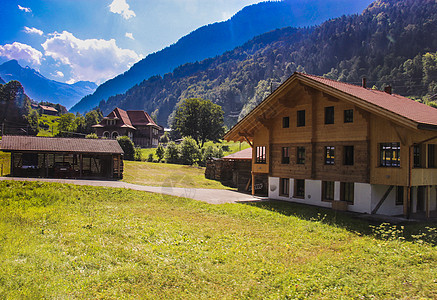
[(63, 241), (5, 163), (53, 122), (161, 174)]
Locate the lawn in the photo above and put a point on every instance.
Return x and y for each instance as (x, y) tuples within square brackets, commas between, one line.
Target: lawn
[(5, 163), (63, 241), (52, 122), (160, 174)]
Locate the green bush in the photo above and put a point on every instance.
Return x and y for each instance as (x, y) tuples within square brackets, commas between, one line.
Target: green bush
[(190, 153), (160, 151), (172, 153), (138, 154), (128, 147), (150, 158), (91, 136)]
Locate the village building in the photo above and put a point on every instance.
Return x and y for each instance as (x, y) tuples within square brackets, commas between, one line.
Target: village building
[(136, 124), (63, 157), (48, 110), (235, 170), (333, 144)]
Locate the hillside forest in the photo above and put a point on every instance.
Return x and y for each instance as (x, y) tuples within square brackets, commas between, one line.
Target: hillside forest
[(390, 43)]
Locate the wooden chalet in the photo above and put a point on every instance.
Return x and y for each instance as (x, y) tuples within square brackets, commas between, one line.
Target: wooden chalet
[(136, 124), (338, 145), (63, 157)]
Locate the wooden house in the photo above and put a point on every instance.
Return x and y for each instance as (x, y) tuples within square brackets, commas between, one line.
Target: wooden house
[(334, 144), (136, 124), (48, 110), (63, 157)]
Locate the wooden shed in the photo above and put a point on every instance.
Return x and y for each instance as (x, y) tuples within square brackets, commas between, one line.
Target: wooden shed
[(63, 157)]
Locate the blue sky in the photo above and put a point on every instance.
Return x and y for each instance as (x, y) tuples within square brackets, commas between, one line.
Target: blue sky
[(95, 40)]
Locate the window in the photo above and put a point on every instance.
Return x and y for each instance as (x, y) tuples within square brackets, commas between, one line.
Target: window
[(300, 118), (300, 155), (390, 155), (329, 115), (114, 135), (329, 155), (328, 190), (399, 195), (347, 192), (260, 155), (417, 157), (285, 155), (299, 188), (349, 116), (106, 135), (431, 156), (285, 122), (284, 187), (348, 152)]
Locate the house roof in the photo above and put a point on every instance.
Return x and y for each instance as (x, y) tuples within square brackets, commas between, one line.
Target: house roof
[(129, 118), (402, 106), (140, 118), (245, 154), (397, 108), (68, 145), (49, 108)]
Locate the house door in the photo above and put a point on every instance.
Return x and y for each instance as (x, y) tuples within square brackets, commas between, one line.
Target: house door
[(420, 207)]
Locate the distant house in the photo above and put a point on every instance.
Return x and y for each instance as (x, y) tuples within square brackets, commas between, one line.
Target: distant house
[(136, 124), (48, 110), (63, 157), (333, 144)]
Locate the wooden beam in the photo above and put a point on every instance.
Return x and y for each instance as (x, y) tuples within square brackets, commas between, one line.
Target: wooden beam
[(330, 98), (253, 183), (382, 199), (427, 200), (244, 135)]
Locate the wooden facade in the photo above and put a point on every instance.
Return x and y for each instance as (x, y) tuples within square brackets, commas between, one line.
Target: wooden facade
[(349, 134), (63, 158)]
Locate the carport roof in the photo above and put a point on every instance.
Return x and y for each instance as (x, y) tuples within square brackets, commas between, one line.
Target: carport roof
[(69, 145)]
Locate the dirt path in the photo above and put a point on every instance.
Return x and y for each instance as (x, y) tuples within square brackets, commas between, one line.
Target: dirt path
[(212, 196)]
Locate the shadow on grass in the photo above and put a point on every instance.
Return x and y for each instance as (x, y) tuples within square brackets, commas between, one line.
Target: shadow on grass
[(353, 222)]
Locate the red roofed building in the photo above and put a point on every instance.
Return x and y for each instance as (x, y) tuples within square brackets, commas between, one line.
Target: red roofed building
[(333, 144), (136, 124)]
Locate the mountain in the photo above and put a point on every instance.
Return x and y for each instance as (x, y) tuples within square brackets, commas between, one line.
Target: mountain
[(40, 88), (211, 40), (2, 81), (391, 42)]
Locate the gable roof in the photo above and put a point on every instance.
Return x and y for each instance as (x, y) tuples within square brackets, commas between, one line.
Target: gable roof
[(395, 107), (49, 108), (67, 145), (129, 118), (245, 154), (140, 118), (402, 106)]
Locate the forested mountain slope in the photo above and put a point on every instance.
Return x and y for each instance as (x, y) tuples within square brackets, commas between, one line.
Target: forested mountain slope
[(214, 39), (388, 43)]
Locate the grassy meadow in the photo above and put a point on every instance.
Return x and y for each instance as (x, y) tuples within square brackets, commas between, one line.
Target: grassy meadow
[(52, 122), (64, 241), (160, 174)]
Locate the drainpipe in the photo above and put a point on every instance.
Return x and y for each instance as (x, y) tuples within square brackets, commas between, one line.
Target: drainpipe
[(408, 212)]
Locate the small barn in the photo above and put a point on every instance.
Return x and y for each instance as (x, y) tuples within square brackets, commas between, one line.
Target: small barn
[(48, 110), (236, 170), (63, 157)]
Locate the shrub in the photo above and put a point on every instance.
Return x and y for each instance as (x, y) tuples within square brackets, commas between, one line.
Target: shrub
[(91, 136), (150, 158), (172, 153), (128, 147), (138, 154), (160, 152), (189, 151)]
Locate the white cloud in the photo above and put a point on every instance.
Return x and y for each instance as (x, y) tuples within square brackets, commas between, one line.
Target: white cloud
[(122, 8), (25, 9), (33, 30), (93, 60), (59, 74), (129, 35), (21, 51)]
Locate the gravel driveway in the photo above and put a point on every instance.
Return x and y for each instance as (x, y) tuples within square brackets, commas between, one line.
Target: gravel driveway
[(212, 196)]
